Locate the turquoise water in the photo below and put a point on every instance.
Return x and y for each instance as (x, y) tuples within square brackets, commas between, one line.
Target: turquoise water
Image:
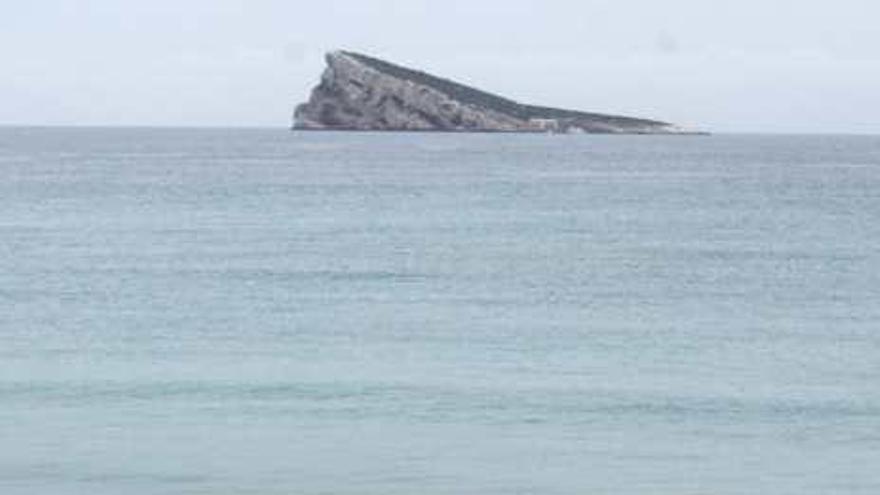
[(266, 312)]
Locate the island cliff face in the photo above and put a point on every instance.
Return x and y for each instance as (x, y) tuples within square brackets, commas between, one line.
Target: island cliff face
[(358, 92)]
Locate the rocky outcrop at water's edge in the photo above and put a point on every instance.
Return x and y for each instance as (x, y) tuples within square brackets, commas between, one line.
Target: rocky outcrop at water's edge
[(358, 92)]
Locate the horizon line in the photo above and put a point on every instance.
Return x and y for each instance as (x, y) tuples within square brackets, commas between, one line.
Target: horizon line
[(253, 127)]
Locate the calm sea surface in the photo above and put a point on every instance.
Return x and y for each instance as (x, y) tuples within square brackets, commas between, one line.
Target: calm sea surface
[(265, 312)]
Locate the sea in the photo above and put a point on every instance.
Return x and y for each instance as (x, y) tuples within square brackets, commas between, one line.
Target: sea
[(266, 312)]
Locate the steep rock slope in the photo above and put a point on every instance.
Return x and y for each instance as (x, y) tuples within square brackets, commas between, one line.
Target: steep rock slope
[(358, 92)]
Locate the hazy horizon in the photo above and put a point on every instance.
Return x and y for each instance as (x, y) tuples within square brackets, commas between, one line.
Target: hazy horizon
[(749, 67)]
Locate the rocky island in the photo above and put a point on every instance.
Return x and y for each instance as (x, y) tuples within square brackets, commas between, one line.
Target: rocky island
[(358, 92)]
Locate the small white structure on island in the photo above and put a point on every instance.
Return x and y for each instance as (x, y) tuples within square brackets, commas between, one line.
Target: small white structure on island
[(544, 125)]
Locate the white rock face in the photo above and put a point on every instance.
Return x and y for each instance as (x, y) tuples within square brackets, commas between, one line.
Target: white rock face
[(360, 93), (353, 95)]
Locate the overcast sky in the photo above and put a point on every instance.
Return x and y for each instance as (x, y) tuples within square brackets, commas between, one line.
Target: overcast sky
[(748, 65)]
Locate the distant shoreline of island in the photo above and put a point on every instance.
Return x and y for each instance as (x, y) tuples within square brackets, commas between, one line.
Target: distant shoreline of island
[(362, 93)]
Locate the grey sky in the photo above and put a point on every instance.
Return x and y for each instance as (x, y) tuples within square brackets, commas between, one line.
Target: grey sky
[(749, 65)]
